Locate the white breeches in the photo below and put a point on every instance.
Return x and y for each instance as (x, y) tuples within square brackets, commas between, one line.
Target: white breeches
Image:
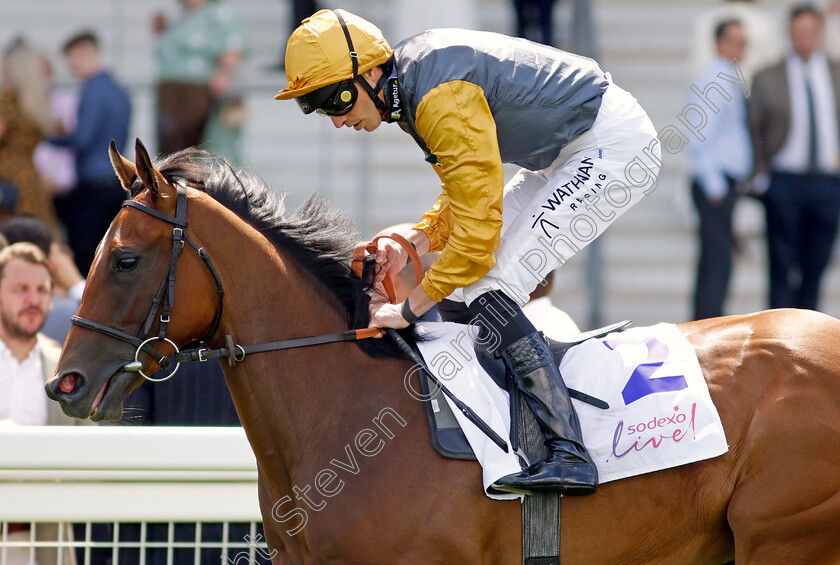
[(550, 215)]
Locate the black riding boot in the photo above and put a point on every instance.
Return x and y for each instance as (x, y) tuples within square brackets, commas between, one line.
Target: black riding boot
[(568, 469)]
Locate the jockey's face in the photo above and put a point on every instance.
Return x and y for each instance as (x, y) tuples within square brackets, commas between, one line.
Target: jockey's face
[(364, 114)]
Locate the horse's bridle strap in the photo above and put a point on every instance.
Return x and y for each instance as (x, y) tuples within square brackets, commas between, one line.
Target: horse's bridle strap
[(240, 351), (115, 333), (178, 221), (164, 300)]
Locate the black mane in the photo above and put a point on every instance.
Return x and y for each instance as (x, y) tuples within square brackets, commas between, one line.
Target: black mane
[(316, 235)]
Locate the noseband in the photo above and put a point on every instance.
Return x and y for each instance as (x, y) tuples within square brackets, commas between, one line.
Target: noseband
[(165, 300)]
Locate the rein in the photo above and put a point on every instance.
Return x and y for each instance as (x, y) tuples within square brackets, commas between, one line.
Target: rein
[(165, 300), (359, 258)]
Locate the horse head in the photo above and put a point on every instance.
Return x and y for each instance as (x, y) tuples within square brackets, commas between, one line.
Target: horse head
[(135, 312)]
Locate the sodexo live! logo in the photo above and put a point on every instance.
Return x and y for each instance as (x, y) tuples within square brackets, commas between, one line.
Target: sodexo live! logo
[(669, 426), (653, 433)]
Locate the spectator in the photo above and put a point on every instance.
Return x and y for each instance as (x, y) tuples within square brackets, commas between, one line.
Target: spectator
[(27, 360), (793, 119), (223, 135), (68, 282), (23, 69), (196, 59), (104, 113), (28, 357), (301, 9), (28, 229), (761, 29), (24, 118), (719, 162), (534, 20), (57, 165)]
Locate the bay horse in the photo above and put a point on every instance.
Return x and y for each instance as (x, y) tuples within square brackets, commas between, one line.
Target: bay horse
[(346, 471)]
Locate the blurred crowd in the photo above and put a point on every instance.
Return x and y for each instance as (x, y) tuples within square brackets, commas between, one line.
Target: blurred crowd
[(54, 163), (769, 92)]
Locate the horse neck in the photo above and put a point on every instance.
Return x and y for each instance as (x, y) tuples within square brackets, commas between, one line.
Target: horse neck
[(297, 400)]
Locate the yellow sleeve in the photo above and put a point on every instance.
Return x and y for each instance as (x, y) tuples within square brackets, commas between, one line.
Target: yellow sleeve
[(455, 122), (437, 223)]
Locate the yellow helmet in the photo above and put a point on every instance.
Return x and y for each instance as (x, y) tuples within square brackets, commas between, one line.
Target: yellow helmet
[(318, 52)]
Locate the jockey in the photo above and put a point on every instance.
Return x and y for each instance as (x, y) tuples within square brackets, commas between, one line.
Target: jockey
[(472, 101)]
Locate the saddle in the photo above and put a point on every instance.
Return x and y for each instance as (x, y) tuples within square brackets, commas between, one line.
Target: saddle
[(446, 435)]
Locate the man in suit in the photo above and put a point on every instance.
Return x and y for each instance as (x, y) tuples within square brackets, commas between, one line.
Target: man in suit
[(793, 117), (27, 360), (717, 164)]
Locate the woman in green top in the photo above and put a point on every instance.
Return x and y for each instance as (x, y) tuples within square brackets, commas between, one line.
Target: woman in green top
[(196, 57)]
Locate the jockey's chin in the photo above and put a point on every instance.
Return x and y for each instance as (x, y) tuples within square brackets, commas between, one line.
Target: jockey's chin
[(369, 123)]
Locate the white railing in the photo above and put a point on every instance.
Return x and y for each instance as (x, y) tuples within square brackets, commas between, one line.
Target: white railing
[(179, 477)]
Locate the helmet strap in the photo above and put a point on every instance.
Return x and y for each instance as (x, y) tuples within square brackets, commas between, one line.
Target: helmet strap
[(354, 57), (374, 91)]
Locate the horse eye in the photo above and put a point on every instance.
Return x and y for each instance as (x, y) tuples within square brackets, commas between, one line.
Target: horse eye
[(126, 263)]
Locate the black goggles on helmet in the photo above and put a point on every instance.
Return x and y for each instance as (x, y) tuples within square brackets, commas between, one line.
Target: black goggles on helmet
[(331, 100)]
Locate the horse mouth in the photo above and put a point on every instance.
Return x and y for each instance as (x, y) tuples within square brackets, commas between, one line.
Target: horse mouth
[(108, 402), (74, 387), (99, 396)]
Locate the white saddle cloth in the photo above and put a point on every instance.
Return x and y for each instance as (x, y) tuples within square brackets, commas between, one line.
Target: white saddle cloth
[(660, 415)]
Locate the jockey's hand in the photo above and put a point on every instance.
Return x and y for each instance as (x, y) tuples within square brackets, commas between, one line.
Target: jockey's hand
[(386, 315), (390, 258)]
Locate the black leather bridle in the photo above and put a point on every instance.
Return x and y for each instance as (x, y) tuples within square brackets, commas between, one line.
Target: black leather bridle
[(165, 299)]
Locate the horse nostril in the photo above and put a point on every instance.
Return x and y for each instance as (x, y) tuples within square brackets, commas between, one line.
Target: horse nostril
[(68, 383)]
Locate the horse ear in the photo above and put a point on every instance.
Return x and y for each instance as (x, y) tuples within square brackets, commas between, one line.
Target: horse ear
[(164, 194), (125, 169)]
